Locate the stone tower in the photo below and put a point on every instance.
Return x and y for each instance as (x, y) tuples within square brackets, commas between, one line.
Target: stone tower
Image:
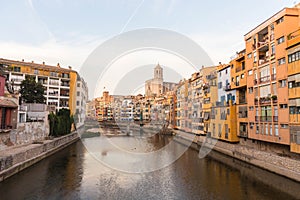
[(158, 72)]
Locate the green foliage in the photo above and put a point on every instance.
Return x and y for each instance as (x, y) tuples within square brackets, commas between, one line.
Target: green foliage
[(60, 123), (31, 91)]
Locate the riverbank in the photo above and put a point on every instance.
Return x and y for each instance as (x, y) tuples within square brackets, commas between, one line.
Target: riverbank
[(15, 159), (280, 165)]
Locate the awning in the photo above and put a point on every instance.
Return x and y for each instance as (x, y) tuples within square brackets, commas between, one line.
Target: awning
[(6, 103)]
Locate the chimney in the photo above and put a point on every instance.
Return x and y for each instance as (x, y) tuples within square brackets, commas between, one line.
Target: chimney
[(58, 65), (43, 63), (220, 63), (32, 61), (70, 67), (22, 60)]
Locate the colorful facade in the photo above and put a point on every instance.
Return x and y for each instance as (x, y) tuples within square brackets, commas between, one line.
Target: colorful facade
[(267, 73), (293, 57), (60, 83)]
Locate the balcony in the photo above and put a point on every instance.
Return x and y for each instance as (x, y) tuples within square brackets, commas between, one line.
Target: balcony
[(256, 118), (243, 115), (265, 100), (242, 100), (243, 134), (264, 79), (227, 87), (266, 118), (294, 92), (293, 38)]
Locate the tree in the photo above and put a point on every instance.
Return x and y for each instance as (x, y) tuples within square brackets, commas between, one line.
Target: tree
[(60, 123), (31, 91)]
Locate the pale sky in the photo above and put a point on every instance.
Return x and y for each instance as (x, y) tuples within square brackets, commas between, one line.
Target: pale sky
[(67, 31)]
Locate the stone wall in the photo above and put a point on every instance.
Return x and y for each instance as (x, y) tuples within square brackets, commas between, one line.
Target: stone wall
[(25, 133), (15, 159), (288, 166)]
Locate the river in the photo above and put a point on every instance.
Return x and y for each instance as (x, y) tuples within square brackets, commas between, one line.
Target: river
[(74, 173)]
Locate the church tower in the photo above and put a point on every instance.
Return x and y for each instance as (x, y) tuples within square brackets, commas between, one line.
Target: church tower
[(158, 72)]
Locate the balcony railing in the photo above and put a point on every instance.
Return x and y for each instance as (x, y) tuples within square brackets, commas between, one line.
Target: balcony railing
[(243, 133), (226, 88), (294, 34), (264, 79), (265, 118), (265, 100), (256, 118), (242, 100)]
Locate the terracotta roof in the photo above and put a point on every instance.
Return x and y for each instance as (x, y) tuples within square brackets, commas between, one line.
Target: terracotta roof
[(35, 65), (6, 103)]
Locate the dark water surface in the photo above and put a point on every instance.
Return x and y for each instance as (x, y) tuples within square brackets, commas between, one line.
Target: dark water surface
[(74, 174)]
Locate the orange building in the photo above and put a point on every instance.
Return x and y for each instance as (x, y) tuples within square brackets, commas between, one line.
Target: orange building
[(267, 73), (293, 53), (239, 83)]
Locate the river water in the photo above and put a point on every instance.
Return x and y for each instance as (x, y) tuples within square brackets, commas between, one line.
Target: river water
[(74, 173)]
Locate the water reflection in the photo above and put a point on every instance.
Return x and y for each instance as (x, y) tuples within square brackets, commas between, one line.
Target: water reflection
[(74, 174)]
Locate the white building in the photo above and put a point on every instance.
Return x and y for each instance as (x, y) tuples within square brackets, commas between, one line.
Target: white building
[(81, 100), (224, 91)]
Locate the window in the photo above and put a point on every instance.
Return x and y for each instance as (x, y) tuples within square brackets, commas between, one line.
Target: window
[(226, 70), (283, 106), (78, 84), (280, 40), (250, 90), (53, 74), (284, 126), (220, 85), (294, 57), (281, 61), (78, 93), (257, 128), (282, 83), (250, 72), (220, 74), (17, 69), (251, 125), (251, 108), (77, 103), (272, 49), (242, 76), (254, 56), (36, 71), (271, 129), (280, 20), (249, 55), (276, 130)]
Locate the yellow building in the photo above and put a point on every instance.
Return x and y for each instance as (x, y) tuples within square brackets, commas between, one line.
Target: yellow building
[(224, 113), (60, 83), (200, 100)]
